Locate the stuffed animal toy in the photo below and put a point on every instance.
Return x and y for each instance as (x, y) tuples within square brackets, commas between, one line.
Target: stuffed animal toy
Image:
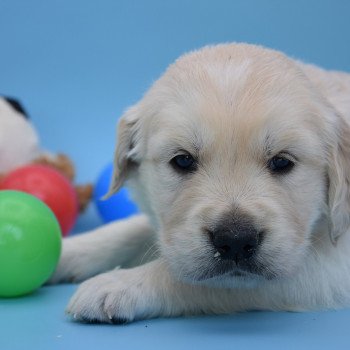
[(19, 145)]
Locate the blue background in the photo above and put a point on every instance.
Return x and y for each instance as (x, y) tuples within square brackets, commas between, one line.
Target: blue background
[(76, 65)]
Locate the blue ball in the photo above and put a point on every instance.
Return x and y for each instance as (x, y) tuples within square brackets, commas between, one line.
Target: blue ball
[(119, 206)]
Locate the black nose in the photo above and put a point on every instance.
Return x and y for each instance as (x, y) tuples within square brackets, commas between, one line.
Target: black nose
[(235, 239)]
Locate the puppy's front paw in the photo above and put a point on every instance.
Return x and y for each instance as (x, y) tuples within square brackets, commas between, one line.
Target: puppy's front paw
[(117, 297)]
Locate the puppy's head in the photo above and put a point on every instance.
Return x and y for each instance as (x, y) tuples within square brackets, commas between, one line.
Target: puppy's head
[(238, 160)]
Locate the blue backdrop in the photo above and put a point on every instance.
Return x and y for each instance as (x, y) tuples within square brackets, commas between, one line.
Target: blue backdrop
[(76, 65)]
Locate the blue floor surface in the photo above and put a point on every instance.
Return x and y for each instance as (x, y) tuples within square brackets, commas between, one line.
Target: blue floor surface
[(38, 322)]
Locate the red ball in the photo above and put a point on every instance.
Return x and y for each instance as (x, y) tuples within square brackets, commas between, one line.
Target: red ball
[(48, 185)]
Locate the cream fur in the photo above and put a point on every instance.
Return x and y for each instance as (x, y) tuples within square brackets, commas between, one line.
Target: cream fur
[(234, 107)]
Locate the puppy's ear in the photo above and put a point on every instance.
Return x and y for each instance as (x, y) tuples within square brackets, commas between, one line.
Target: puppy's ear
[(126, 154), (339, 180)]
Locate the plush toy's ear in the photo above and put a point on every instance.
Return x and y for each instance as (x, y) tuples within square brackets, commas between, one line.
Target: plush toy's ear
[(126, 154), (16, 105), (339, 180)]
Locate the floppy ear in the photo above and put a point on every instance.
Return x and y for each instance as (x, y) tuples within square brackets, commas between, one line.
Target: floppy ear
[(339, 180), (125, 158)]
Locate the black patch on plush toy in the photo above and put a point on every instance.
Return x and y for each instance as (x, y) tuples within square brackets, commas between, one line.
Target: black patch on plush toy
[(16, 105)]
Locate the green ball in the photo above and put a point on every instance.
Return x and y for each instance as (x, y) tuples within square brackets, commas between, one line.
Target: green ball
[(30, 243)]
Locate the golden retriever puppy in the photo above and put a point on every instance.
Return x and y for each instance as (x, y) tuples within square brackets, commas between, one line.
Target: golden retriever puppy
[(240, 159)]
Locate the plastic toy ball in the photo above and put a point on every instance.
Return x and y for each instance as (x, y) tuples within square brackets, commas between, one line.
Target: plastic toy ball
[(119, 206), (30, 243), (48, 185)]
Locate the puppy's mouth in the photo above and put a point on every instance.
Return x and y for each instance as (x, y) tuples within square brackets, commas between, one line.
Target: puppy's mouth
[(247, 270)]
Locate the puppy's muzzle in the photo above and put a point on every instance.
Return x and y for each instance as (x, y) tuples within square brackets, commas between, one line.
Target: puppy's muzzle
[(235, 238)]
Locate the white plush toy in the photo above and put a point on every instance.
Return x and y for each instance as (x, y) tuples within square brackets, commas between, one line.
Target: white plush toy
[(19, 145), (19, 142)]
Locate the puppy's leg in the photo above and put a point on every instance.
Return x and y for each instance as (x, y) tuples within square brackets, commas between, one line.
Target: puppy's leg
[(125, 295), (103, 249), (147, 291)]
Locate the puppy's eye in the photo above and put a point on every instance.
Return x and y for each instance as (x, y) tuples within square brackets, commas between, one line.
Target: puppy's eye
[(280, 165), (184, 163)]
